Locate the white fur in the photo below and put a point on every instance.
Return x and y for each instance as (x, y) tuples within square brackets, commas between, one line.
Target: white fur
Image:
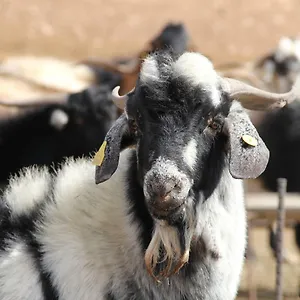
[(219, 225), (297, 48), (149, 70), (166, 236), (19, 279), (90, 242), (198, 70), (59, 119), (190, 153), (26, 191), (285, 48), (296, 87), (81, 225)]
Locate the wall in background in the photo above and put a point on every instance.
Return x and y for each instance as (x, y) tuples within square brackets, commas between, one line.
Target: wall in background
[(226, 30)]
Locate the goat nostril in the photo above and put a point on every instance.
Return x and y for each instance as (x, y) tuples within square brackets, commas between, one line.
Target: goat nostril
[(165, 196), (165, 193)]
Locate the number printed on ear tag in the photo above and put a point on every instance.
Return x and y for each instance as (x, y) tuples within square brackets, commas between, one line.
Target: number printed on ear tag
[(249, 140), (99, 156)]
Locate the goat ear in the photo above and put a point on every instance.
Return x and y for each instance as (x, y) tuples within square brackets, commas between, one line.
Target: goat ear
[(107, 158), (248, 154)]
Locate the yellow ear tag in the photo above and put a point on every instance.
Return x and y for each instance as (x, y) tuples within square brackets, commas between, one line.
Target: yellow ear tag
[(249, 140), (99, 156), (143, 55)]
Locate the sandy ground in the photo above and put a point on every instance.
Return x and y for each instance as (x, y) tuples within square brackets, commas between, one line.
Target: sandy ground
[(225, 30), (264, 268)]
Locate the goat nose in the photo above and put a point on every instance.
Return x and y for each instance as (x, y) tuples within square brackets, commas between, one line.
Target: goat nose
[(161, 187), (166, 195), (166, 200), (163, 193)]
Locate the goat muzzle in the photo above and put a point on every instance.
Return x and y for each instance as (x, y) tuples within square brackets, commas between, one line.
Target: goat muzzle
[(166, 194)]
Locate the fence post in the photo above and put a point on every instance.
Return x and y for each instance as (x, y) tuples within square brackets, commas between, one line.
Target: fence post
[(281, 184)]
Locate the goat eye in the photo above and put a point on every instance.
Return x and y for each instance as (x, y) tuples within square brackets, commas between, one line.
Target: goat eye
[(214, 124), (210, 122)]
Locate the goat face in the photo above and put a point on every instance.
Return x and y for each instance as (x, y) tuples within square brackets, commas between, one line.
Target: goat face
[(175, 124), (280, 68), (175, 116)]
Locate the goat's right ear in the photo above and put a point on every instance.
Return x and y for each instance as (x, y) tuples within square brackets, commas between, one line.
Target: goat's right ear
[(248, 154), (107, 158)]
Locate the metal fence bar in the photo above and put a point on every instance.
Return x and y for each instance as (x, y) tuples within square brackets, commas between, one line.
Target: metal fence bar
[(281, 184)]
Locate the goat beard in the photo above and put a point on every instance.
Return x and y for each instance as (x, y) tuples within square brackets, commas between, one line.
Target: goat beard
[(169, 249)]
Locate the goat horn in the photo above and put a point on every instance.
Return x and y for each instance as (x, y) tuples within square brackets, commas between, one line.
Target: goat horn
[(257, 99), (54, 99), (120, 101)]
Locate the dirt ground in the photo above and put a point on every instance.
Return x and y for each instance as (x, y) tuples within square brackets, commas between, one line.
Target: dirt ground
[(226, 31), (264, 269)]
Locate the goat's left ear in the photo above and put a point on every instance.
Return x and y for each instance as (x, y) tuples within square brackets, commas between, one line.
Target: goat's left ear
[(248, 154), (107, 158)]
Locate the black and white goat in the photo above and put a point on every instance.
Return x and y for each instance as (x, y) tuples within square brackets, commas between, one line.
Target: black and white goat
[(280, 129), (168, 220), (280, 67)]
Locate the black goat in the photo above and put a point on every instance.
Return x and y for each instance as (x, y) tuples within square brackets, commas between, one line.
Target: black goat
[(47, 134), (281, 132), (280, 129)]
